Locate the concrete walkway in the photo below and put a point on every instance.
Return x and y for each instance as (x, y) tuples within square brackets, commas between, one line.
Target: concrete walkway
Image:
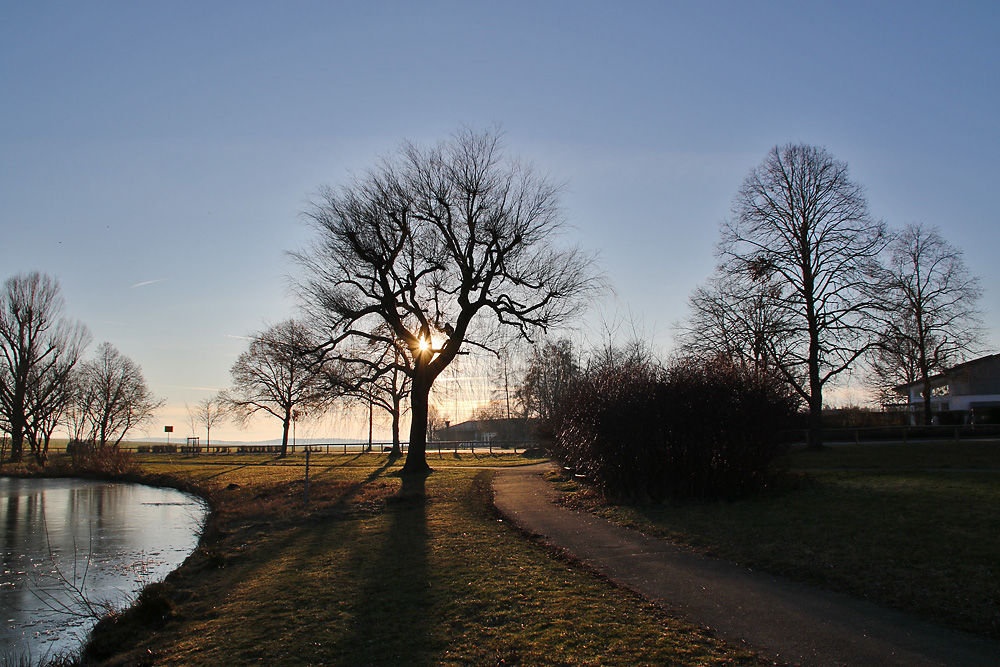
[(780, 619)]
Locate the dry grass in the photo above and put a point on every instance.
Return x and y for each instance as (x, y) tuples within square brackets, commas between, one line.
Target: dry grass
[(384, 569)]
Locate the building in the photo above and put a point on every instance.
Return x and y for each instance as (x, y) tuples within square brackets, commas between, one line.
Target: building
[(971, 387), (486, 430)]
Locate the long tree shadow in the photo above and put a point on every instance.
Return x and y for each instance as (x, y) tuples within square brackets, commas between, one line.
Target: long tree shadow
[(392, 619)]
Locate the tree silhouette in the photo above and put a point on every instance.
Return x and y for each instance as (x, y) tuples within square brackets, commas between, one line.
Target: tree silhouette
[(39, 348), (931, 316), (276, 376), (801, 224), (442, 247)]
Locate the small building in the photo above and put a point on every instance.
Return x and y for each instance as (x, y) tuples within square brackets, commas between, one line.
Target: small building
[(486, 430), (970, 387)]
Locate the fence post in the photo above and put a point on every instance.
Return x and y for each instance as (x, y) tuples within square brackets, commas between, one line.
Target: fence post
[(307, 477)]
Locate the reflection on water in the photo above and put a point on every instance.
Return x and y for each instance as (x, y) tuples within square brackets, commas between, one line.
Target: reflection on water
[(70, 543)]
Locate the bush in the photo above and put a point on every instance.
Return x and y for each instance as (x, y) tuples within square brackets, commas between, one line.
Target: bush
[(694, 430), (87, 458)]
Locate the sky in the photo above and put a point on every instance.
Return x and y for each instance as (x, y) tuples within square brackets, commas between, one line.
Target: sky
[(156, 157)]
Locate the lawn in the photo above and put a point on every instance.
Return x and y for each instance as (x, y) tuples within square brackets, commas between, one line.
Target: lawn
[(384, 569), (915, 527)]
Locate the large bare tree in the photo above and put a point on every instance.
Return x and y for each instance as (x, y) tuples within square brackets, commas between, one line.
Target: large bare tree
[(112, 396), (39, 347), (435, 249), (276, 376), (932, 317), (801, 223)]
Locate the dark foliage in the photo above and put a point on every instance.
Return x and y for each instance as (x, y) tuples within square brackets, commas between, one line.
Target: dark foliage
[(702, 430)]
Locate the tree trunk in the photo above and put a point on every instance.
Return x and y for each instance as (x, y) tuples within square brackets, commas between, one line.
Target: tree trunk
[(416, 455), (396, 451), (16, 443), (816, 421), (815, 389), (284, 434), (928, 416), (17, 424)]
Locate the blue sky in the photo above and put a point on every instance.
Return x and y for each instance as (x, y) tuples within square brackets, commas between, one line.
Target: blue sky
[(154, 156)]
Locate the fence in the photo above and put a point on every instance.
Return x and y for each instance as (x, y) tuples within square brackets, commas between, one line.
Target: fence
[(455, 446)]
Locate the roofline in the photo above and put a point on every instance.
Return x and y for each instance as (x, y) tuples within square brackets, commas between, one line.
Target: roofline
[(904, 388)]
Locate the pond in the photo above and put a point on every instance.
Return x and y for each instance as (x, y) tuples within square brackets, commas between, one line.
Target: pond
[(71, 547)]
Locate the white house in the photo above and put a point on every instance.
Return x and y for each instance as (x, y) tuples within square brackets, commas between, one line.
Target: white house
[(967, 386)]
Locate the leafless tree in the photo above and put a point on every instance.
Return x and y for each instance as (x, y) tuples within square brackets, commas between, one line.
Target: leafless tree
[(445, 246), (800, 223), (552, 370), (735, 317), (932, 317), (208, 412), (375, 376), (276, 376), (113, 396), (39, 348)]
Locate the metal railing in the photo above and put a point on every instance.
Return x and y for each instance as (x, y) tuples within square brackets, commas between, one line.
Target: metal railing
[(439, 446)]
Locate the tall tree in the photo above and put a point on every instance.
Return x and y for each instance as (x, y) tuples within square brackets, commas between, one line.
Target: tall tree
[(801, 223), (39, 348), (932, 317), (443, 246), (113, 396), (277, 376)]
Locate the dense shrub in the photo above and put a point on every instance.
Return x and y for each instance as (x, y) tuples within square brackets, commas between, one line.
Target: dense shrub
[(87, 458), (693, 430)]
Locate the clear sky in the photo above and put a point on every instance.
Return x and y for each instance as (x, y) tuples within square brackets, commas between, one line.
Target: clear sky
[(155, 156)]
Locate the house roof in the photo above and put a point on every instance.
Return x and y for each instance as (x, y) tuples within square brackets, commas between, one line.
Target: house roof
[(941, 378)]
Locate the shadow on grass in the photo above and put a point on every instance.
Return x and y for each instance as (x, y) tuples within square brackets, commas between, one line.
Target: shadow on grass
[(393, 610)]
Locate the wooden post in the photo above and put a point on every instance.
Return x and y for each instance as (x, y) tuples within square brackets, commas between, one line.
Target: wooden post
[(307, 477)]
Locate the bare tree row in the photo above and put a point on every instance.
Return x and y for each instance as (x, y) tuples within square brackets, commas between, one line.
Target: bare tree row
[(810, 284), (45, 384)]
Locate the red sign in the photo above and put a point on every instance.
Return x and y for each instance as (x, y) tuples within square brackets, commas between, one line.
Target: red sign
[(168, 429)]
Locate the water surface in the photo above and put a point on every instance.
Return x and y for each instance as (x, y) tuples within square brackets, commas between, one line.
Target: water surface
[(71, 547)]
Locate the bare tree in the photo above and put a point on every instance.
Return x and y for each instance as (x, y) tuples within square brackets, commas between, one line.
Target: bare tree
[(800, 223), (377, 377), (444, 246), (932, 317), (208, 412), (277, 376), (113, 396), (735, 317), (552, 370), (39, 348)]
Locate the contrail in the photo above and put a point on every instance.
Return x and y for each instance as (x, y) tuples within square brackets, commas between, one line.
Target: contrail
[(150, 282)]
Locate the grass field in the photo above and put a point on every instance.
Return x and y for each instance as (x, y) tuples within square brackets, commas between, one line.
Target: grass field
[(382, 569), (915, 527)]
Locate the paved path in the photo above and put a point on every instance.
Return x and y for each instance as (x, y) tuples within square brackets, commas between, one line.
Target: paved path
[(777, 618)]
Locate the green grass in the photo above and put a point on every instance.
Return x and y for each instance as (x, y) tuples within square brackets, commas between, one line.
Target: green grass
[(875, 523), (384, 569), (980, 455)]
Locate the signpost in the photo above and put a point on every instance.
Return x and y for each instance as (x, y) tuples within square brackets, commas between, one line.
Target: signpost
[(168, 430)]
